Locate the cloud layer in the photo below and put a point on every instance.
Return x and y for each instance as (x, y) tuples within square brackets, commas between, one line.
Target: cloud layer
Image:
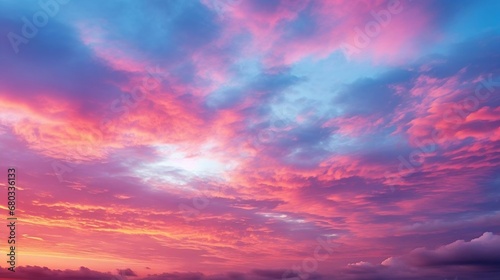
[(242, 140)]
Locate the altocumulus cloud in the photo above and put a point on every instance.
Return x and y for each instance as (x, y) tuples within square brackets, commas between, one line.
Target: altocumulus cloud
[(478, 258)]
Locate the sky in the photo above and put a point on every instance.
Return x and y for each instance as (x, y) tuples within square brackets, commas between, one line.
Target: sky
[(251, 140)]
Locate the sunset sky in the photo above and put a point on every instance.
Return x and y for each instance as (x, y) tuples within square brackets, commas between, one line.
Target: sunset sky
[(251, 140)]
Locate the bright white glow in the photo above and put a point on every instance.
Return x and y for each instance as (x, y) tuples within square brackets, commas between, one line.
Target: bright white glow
[(179, 167)]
